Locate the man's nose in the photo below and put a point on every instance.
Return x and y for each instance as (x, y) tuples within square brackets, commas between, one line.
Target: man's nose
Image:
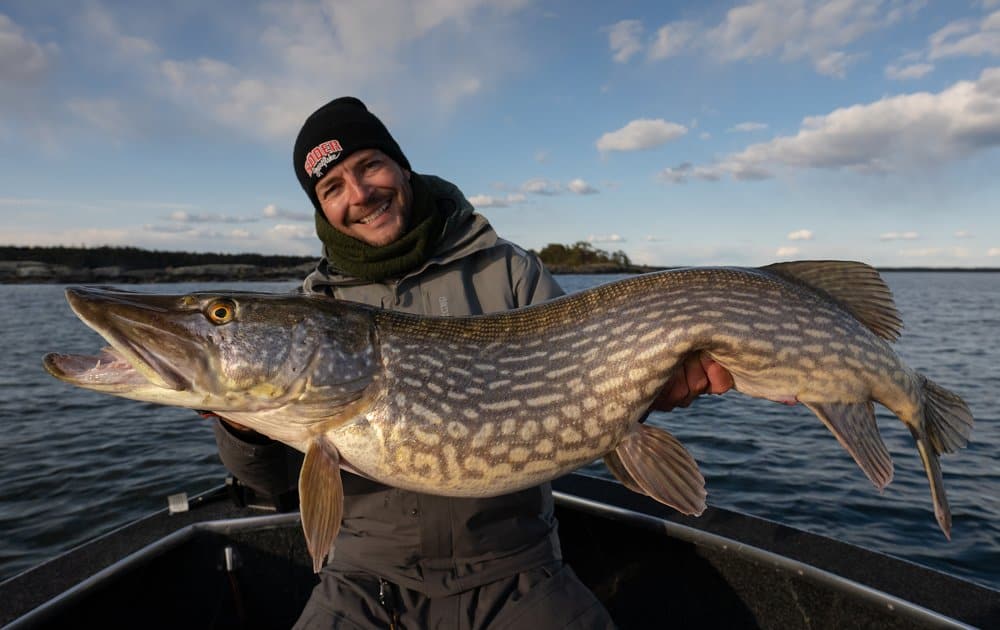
[(359, 190)]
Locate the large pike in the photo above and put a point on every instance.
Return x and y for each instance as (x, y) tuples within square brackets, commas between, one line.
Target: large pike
[(485, 405)]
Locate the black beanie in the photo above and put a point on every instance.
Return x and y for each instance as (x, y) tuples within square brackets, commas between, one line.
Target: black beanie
[(334, 131)]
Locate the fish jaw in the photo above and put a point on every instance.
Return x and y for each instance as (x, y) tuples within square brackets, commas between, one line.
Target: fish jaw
[(128, 322)]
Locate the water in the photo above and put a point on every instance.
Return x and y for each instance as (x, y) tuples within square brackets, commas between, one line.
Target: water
[(75, 464)]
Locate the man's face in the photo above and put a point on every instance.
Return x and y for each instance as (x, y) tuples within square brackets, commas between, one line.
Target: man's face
[(367, 197)]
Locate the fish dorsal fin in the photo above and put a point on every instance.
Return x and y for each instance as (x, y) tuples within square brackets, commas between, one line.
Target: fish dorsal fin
[(856, 286)]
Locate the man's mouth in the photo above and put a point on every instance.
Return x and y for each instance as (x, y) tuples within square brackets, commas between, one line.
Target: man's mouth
[(375, 215)]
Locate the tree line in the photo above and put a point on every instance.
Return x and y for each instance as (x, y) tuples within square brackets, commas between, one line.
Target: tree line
[(137, 258), (577, 255), (581, 254)]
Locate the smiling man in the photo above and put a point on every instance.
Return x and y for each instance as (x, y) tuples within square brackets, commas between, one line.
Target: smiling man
[(410, 242)]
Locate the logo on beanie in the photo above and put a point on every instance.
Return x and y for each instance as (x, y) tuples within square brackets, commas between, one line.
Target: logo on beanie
[(322, 156)]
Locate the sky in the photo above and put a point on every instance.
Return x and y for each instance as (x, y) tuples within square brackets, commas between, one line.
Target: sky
[(701, 133)]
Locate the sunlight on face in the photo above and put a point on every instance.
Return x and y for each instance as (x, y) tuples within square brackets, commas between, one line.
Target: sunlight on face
[(367, 197)]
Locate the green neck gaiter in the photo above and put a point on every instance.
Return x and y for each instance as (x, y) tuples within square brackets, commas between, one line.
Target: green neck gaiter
[(375, 264)]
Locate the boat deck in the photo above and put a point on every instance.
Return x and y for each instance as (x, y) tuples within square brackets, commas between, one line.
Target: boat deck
[(222, 566)]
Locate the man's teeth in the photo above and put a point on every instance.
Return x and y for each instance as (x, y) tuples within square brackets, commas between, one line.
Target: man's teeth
[(374, 215)]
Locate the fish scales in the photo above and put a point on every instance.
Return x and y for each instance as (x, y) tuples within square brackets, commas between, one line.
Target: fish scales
[(622, 380), (485, 405)]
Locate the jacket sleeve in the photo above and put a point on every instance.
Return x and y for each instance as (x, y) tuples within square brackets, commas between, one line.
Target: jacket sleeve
[(530, 281), (267, 466)]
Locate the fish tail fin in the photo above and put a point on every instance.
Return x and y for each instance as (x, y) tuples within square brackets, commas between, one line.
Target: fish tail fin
[(933, 468), (947, 418)]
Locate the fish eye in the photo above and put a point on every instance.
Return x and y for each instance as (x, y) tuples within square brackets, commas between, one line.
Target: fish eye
[(221, 312)]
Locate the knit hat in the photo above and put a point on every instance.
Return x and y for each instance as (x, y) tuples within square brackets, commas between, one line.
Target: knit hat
[(333, 132)]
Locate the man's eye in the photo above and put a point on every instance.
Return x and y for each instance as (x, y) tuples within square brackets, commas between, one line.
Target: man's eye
[(374, 164)]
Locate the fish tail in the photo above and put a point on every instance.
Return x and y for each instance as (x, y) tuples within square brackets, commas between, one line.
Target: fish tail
[(947, 419), (945, 428), (933, 468)]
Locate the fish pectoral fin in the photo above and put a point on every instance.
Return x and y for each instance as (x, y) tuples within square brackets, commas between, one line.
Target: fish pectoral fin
[(321, 497), (853, 424), (653, 462)]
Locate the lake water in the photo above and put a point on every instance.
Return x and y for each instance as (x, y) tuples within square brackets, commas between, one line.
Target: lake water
[(75, 464)]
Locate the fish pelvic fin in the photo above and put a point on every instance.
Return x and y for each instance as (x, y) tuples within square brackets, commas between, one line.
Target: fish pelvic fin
[(856, 286), (947, 419), (933, 469), (321, 496), (853, 424), (650, 461), (614, 463)]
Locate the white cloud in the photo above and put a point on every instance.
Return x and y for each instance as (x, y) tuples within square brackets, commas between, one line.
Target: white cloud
[(834, 64), (993, 251), (293, 232), (22, 59), (891, 134), (682, 172), (624, 37), (581, 187), (897, 236), (967, 38), (182, 216), (489, 201), (541, 186), (541, 156), (964, 234), (792, 30), (786, 251), (101, 25), (640, 134), (380, 50), (272, 211), (800, 235), (605, 238), (748, 126), (911, 71), (672, 38)]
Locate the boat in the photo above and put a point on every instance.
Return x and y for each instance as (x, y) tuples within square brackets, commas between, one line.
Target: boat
[(223, 559)]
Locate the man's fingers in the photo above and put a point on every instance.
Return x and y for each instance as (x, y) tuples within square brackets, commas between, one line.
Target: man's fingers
[(719, 379), (694, 374)]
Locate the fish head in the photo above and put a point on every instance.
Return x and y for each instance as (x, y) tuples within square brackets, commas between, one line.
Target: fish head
[(223, 351)]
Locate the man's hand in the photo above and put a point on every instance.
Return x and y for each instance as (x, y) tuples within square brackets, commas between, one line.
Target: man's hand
[(697, 375)]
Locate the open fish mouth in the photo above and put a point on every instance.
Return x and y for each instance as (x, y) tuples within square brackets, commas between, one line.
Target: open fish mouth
[(127, 363), (106, 371)]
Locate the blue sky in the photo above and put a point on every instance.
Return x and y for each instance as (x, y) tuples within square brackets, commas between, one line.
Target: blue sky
[(683, 134)]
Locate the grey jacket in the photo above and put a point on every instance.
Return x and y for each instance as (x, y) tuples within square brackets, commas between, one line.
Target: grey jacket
[(436, 545)]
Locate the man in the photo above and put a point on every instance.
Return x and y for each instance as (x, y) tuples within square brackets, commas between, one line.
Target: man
[(403, 241)]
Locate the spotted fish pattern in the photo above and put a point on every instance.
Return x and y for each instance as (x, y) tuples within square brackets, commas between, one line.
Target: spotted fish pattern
[(486, 405)]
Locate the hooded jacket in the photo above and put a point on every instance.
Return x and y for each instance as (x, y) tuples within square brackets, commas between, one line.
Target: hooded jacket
[(432, 544)]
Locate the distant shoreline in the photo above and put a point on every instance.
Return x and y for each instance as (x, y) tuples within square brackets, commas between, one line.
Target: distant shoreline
[(129, 265), (21, 272)]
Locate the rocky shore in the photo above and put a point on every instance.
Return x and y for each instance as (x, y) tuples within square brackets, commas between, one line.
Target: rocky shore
[(35, 272)]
